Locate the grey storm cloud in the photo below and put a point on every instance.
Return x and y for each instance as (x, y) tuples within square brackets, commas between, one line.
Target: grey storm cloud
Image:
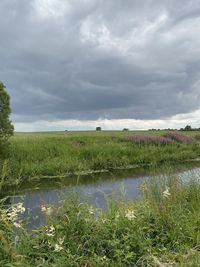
[(90, 59)]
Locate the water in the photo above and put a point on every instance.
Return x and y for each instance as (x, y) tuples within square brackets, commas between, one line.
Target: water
[(97, 188)]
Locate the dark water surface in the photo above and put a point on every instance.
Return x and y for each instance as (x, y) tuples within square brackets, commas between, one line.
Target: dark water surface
[(96, 188)]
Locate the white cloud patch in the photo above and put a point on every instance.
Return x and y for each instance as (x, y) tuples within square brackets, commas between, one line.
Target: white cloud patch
[(50, 8)]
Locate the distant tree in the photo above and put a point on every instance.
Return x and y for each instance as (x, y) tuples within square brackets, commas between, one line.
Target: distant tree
[(98, 128), (6, 127), (125, 130), (188, 128)]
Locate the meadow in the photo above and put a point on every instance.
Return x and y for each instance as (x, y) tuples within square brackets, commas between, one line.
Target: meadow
[(59, 154)]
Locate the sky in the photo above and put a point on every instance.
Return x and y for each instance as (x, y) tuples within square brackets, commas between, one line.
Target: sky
[(78, 64)]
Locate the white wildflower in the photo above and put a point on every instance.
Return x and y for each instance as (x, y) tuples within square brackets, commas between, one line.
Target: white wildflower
[(14, 211), (17, 225), (59, 245), (12, 215), (166, 193), (50, 231), (130, 215), (20, 208), (58, 248)]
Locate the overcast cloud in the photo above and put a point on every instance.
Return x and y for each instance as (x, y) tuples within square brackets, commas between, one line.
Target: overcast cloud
[(100, 60)]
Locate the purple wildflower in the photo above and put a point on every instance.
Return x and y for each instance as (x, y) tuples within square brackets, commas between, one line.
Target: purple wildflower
[(148, 139), (180, 137)]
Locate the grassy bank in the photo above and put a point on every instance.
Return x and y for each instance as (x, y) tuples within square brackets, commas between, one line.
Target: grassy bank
[(58, 154), (161, 230)]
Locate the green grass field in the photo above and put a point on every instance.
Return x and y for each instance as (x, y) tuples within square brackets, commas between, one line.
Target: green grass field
[(63, 153)]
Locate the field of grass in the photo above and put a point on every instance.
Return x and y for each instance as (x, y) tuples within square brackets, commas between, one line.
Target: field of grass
[(63, 153), (161, 230)]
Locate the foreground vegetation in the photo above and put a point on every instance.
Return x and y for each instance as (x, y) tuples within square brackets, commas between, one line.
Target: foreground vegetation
[(59, 154), (162, 229)]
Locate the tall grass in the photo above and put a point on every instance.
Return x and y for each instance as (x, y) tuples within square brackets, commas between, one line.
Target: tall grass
[(162, 229), (59, 154), (4, 174)]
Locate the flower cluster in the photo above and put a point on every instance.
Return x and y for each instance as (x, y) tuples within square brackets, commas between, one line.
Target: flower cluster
[(149, 139), (14, 213), (130, 215), (180, 137), (59, 245), (166, 193), (50, 231)]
